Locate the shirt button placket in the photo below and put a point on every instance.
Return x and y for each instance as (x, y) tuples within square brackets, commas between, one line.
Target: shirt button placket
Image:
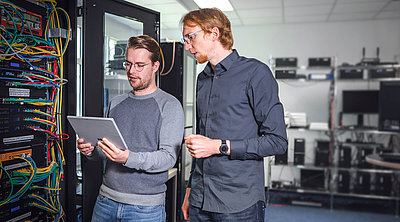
[(211, 104), (209, 133)]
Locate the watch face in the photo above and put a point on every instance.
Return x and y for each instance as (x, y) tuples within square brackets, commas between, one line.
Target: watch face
[(223, 149)]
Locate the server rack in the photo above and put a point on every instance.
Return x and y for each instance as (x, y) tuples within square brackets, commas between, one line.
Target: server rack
[(33, 77)]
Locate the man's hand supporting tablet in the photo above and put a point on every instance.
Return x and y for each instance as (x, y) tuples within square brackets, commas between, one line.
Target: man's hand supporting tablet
[(112, 152), (85, 148)]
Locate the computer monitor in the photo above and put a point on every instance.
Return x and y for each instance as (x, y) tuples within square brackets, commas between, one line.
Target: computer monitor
[(389, 106), (360, 102)]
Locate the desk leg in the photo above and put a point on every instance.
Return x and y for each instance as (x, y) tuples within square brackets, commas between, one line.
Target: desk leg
[(397, 191), (175, 189), (171, 198)]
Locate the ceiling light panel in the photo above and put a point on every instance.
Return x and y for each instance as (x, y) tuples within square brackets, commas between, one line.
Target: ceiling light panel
[(173, 8), (224, 5)]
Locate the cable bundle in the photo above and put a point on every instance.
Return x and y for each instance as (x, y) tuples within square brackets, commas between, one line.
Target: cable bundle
[(43, 69)]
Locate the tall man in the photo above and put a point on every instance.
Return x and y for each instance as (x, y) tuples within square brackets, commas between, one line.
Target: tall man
[(239, 121), (151, 122)]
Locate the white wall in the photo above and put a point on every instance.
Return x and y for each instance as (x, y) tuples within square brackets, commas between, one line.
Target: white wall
[(344, 40)]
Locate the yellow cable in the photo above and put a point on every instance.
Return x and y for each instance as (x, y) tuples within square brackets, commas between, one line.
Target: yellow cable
[(42, 199), (41, 206), (38, 170), (47, 188)]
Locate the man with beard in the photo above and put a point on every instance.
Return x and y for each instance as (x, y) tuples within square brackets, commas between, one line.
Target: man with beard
[(151, 122), (239, 122)]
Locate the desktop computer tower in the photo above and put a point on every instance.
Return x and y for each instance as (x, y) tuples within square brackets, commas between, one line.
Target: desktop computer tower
[(299, 151), (343, 185), (322, 153), (362, 153), (363, 183), (281, 159), (298, 159), (344, 156), (383, 184)]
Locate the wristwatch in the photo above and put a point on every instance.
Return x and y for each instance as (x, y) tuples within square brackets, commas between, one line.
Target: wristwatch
[(223, 149)]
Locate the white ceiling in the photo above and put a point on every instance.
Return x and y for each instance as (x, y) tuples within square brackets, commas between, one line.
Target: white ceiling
[(262, 12)]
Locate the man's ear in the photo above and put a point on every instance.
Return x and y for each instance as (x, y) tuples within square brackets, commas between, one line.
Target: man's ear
[(156, 65), (215, 33)]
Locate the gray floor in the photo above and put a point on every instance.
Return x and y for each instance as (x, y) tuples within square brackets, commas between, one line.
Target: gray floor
[(290, 213)]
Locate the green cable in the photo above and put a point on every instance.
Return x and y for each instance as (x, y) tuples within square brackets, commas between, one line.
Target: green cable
[(33, 120), (37, 85), (26, 185), (23, 21), (12, 18), (45, 114), (15, 26), (12, 185)]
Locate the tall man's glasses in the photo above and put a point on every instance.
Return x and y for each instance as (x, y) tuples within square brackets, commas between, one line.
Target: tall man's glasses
[(189, 37), (138, 66)]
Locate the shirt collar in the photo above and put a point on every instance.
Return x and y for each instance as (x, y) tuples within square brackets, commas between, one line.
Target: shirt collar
[(222, 66)]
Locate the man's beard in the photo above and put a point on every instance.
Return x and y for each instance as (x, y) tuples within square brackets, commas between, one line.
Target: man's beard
[(202, 59), (142, 85)]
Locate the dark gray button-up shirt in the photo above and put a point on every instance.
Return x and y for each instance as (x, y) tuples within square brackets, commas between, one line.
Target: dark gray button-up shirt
[(239, 102)]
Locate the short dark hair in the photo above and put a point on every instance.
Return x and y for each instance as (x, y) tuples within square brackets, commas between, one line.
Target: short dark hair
[(148, 43), (208, 18)]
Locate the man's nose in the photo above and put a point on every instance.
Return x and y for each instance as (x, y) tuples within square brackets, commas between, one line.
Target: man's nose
[(131, 69), (188, 46)]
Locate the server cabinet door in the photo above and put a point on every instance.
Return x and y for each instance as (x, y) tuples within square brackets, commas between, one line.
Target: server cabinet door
[(107, 25)]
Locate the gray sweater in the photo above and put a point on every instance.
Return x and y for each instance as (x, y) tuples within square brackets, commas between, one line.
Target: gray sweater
[(152, 126)]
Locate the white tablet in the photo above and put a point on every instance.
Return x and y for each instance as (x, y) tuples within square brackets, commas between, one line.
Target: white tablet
[(94, 128)]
